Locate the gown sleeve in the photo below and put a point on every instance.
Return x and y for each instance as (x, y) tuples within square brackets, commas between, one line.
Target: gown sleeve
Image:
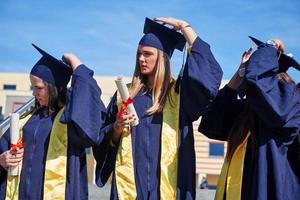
[(274, 100), (217, 122), (201, 80), (84, 109), (105, 152)]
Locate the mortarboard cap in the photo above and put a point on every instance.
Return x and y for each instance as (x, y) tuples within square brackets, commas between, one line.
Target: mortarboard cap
[(285, 61), (51, 69), (256, 41), (162, 37)]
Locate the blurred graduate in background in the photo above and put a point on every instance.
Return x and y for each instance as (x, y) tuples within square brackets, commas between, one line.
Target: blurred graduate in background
[(262, 128)]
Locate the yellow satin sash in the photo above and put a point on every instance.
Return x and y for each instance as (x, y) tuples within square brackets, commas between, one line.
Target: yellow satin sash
[(12, 182), (56, 162), (231, 176), (124, 170)]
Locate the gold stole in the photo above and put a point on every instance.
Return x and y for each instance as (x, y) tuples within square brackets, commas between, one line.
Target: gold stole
[(56, 163), (12, 182), (124, 170), (232, 174)]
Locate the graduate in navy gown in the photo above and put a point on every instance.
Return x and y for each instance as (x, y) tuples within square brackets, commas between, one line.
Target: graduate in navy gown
[(262, 127), (62, 125), (156, 158)]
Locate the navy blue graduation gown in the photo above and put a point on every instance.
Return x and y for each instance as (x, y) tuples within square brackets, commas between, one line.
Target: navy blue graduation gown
[(82, 115), (273, 171), (199, 86)]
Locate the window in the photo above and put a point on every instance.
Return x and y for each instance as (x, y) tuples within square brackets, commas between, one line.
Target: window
[(216, 149), (9, 87)]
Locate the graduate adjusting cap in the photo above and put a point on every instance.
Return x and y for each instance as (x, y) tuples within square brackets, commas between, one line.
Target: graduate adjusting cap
[(51, 69), (285, 61), (162, 37)]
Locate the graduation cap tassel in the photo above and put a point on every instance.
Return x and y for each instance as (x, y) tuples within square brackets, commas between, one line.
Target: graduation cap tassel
[(180, 75)]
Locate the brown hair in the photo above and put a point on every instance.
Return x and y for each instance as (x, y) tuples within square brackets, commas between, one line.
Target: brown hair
[(244, 123), (284, 76), (56, 100)]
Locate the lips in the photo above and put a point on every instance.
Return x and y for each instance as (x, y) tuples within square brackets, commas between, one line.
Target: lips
[(143, 66)]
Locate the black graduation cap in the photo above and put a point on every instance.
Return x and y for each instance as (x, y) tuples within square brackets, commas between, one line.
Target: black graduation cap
[(162, 37), (51, 69), (285, 61), (256, 41)]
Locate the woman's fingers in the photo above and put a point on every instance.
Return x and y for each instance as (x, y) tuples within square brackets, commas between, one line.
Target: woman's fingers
[(127, 119), (177, 24), (71, 60), (15, 158), (123, 122), (168, 20), (249, 50), (163, 20), (12, 160), (246, 55)]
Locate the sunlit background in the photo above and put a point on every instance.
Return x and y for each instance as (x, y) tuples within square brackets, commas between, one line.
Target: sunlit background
[(105, 34)]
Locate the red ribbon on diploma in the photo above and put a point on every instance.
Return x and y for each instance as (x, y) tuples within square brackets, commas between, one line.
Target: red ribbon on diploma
[(18, 145), (124, 106)]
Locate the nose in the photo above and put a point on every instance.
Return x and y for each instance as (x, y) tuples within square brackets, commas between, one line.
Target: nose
[(141, 58), (34, 93)]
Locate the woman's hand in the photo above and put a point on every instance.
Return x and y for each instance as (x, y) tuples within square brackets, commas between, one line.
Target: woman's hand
[(179, 24), (245, 57), (9, 159), (120, 124), (123, 122), (238, 77), (71, 60), (176, 23)]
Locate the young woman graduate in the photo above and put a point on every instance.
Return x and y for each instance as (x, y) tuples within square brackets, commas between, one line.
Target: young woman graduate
[(261, 129), (156, 158), (55, 133)]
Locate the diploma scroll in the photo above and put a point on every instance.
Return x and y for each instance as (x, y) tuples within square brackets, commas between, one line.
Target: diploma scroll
[(14, 137), (123, 90)]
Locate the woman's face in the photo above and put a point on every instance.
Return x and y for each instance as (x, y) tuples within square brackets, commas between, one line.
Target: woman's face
[(147, 58), (40, 90)]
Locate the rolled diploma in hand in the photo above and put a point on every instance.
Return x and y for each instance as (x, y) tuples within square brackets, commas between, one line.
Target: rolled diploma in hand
[(14, 137), (123, 90)]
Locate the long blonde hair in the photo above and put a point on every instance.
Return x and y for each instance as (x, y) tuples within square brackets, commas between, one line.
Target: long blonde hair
[(162, 83), (280, 46)]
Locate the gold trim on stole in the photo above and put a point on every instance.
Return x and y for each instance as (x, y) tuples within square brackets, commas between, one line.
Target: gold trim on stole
[(56, 162), (231, 176), (124, 170)]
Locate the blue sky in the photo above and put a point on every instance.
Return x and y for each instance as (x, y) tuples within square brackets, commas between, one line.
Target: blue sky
[(105, 34)]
